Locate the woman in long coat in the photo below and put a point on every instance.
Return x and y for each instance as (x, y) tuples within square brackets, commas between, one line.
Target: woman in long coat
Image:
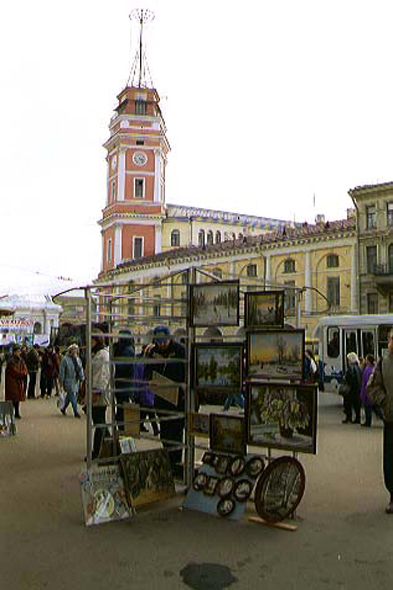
[(15, 379)]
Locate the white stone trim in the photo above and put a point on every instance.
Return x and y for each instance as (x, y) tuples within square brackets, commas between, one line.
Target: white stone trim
[(121, 167), (157, 176), (158, 239), (354, 282), (117, 250)]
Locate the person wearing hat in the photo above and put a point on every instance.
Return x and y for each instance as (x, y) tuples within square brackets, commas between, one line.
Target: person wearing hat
[(165, 348), (71, 376), (15, 377)]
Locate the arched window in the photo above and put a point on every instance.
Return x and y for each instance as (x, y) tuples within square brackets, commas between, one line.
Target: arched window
[(218, 237), (201, 238), (175, 238), (332, 261), (209, 238), (289, 265), (37, 329)]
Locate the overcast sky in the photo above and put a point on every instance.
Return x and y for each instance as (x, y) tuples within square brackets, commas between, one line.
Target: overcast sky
[(266, 104)]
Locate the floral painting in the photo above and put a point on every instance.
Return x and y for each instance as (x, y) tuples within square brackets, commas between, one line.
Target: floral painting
[(282, 416)]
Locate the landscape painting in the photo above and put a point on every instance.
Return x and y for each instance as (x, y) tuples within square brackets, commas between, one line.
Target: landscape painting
[(227, 434), (218, 366), (264, 309), (198, 424), (282, 416), (275, 354), (215, 304)]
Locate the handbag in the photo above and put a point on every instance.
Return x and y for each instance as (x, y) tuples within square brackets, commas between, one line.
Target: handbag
[(375, 387), (344, 389)]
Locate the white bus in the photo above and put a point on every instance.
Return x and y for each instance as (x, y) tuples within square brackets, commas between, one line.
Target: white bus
[(339, 335)]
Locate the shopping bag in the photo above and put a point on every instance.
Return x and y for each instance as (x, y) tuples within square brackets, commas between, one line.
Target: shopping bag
[(61, 400)]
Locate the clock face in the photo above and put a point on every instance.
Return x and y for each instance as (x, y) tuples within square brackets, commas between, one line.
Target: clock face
[(139, 158)]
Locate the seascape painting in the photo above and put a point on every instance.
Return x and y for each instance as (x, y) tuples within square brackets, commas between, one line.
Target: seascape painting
[(215, 304), (276, 354), (218, 366), (282, 416), (264, 309)]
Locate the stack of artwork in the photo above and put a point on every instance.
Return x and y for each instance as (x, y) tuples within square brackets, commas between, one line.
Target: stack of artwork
[(7, 422)]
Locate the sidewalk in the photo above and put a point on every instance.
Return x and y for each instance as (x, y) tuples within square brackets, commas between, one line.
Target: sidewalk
[(344, 539)]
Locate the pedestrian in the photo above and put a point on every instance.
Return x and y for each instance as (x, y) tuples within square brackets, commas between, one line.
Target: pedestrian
[(100, 388), (144, 396), (124, 349), (383, 378), (70, 377), (369, 367), (234, 399), (23, 354), (33, 364), (164, 348), (57, 360), (15, 376), (311, 368), (48, 369), (352, 379)]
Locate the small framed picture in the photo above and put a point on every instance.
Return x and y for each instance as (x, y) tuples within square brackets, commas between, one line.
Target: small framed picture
[(227, 434), (210, 486), (264, 309), (275, 354), (198, 424), (215, 304), (218, 367)]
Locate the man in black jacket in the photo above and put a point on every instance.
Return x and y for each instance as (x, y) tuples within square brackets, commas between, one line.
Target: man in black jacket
[(123, 352), (164, 348), (33, 363)]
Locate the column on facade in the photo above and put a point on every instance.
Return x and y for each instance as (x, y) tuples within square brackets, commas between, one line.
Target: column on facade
[(158, 238), (307, 283), (121, 175), (117, 249), (354, 281), (157, 175)]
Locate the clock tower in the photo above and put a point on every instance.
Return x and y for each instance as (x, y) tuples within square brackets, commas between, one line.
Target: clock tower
[(137, 152)]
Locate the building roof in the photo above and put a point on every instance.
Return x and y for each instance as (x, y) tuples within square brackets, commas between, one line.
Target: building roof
[(184, 211), (284, 235), (29, 302)]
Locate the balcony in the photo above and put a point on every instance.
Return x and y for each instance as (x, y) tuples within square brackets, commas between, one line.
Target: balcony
[(383, 278)]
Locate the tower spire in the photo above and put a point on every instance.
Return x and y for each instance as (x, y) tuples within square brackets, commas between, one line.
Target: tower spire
[(140, 74)]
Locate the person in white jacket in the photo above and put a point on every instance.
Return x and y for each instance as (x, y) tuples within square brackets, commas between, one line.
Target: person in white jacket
[(101, 374)]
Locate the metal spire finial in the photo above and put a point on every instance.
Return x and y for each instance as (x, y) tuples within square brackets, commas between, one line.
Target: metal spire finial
[(143, 16)]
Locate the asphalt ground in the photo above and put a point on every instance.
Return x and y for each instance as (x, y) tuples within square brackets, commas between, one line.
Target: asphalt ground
[(344, 538)]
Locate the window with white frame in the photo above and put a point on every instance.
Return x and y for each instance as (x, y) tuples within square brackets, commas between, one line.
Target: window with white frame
[(209, 238), (332, 261), (289, 265), (138, 248), (112, 197), (109, 250), (201, 238), (252, 270), (175, 238), (139, 188), (218, 237)]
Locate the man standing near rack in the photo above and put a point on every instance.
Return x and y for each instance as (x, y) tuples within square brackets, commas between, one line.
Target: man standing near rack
[(164, 348), (70, 376)]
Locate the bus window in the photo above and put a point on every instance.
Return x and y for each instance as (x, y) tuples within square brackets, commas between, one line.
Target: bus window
[(350, 342), (333, 346), (368, 343)]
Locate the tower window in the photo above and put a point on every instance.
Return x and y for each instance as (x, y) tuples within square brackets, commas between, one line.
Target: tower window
[(332, 261), (139, 188), (138, 248), (140, 142), (140, 107), (109, 250), (175, 238), (289, 265), (113, 191)]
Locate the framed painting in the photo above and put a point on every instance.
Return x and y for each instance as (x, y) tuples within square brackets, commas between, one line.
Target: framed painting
[(198, 424), (215, 304), (282, 416), (275, 354), (227, 434), (147, 476), (218, 367), (264, 309)]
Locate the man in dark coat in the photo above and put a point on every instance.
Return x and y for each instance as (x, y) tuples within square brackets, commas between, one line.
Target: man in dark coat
[(164, 348), (32, 363), (123, 352)]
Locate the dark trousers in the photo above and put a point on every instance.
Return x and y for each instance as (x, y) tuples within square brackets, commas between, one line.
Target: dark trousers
[(352, 402), (46, 385), (98, 414), (368, 412), (172, 430), (388, 456), (16, 409), (122, 397), (32, 382)]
